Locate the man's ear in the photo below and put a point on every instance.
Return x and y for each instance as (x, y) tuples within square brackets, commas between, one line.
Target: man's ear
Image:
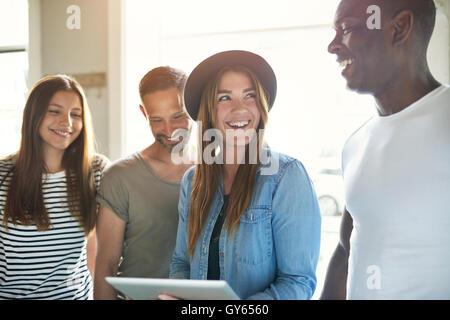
[(402, 26), (143, 111)]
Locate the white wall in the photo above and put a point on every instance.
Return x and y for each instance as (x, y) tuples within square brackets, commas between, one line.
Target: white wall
[(76, 51), (116, 79), (439, 50), (34, 42)]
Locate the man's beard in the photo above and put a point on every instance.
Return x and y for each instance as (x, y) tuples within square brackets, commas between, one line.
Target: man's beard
[(161, 138)]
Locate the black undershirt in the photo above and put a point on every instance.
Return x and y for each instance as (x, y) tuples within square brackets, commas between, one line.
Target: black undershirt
[(213, 257)]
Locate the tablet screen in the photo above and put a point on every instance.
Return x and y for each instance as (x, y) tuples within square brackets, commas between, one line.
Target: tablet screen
[(147, 289)]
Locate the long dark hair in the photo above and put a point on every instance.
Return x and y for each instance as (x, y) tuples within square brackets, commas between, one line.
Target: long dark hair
[(25, 203)]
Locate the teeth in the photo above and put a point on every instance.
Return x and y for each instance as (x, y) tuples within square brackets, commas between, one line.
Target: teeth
[(238, 124), (346, 62), (62, 133)]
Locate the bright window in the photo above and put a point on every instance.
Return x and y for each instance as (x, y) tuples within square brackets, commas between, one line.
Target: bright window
[(14, 71)]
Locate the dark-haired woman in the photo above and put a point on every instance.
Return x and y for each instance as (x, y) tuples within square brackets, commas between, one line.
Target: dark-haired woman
[(47, 197)]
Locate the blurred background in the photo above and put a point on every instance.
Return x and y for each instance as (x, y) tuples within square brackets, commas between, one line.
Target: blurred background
[(108, 45)]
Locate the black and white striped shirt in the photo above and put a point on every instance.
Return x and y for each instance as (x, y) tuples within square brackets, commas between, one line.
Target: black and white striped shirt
[(48, 264)]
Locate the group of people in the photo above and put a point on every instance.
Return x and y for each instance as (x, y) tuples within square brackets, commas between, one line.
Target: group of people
[(70, 218)]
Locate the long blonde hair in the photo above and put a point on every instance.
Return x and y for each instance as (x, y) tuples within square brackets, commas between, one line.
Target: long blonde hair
[(208, 176), (25, 201)]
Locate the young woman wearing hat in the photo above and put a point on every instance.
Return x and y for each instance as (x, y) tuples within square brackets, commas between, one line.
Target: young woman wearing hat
[(259, 231), (47, 197)]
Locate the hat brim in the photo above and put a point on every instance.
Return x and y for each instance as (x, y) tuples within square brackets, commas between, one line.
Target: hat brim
[(209, 67)]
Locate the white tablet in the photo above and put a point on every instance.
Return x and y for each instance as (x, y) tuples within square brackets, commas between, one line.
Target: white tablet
[(146, 288)]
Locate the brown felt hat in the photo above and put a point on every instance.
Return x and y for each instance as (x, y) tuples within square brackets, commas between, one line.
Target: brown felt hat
[(209, 67)]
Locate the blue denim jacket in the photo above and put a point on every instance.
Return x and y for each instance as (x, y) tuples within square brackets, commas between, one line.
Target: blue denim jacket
[(274, 252)]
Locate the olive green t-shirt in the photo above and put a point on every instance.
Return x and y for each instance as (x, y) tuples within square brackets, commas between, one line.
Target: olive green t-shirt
[(149, 206)]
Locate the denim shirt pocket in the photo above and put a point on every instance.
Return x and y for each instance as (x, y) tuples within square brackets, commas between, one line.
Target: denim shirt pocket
[(253, 242)]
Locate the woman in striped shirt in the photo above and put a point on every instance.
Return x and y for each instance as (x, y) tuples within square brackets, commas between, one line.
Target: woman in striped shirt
[(47, 197)]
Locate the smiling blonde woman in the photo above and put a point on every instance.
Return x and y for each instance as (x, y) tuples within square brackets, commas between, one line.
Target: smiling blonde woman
[(259, 232)]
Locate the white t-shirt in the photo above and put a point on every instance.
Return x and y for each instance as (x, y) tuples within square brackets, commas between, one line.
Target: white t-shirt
[(397, 179)]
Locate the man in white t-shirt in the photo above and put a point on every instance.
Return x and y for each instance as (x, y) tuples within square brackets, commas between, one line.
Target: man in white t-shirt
[(395, 232)]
